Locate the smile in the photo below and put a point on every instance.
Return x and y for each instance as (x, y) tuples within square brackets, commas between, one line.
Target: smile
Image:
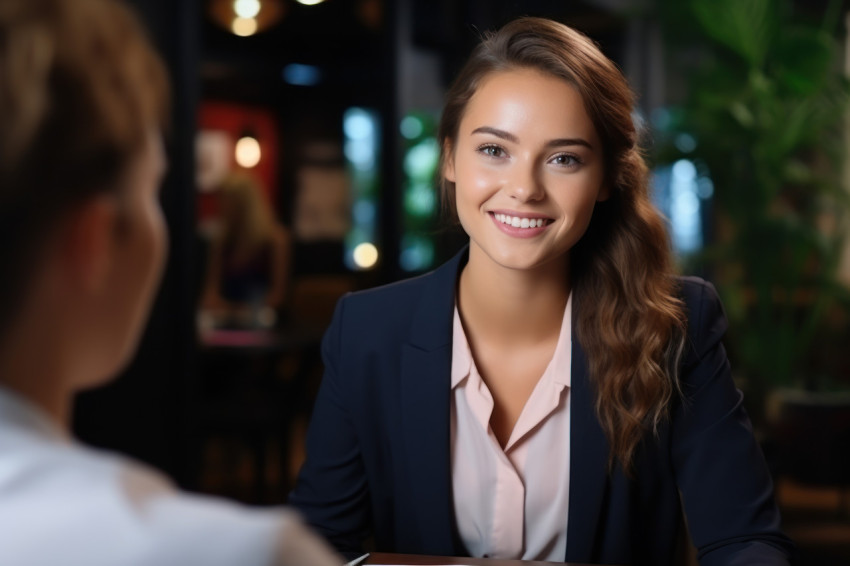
[(517, 222)]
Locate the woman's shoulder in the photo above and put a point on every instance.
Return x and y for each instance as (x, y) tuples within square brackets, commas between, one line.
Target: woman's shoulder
[(387, 309), (418, 309), (706, 318), (698, 295), (396, 292), (434, 288), (694, 289)]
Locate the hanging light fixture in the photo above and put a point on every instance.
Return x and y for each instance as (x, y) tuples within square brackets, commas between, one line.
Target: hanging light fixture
[(246, 17), (247, 8), (243, 27)]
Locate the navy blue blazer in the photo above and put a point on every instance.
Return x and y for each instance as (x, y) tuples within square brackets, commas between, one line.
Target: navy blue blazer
[(378, 456)]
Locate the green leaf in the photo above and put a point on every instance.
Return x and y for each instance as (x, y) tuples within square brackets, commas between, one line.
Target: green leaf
[(803, 60), (746, 27), (742, 114)]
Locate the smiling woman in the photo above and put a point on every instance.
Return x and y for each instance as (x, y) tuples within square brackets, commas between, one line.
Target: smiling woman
[(555, 392)]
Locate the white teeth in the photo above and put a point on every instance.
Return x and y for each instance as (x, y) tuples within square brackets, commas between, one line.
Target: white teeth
[(518, 222)]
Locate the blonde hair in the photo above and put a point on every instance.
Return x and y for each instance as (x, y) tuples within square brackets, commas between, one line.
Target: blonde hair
[(80, 90), (247, 220)]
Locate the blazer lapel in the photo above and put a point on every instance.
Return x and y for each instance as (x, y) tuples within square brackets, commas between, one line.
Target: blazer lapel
[(425, 408), (588, 463)]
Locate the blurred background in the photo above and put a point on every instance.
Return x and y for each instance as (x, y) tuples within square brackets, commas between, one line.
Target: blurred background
[(302, 161)]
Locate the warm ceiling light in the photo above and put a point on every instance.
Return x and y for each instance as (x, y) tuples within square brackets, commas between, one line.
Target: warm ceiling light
[(246, 17), (244, 27), (247, 152), (246, 8), (309, 2)]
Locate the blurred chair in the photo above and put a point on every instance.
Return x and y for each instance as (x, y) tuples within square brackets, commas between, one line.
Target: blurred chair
[(314, 297), (811, 443), (254, 386)]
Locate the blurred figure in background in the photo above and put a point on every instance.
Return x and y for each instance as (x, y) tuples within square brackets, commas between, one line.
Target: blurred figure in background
[(249, 259), (82, 101)]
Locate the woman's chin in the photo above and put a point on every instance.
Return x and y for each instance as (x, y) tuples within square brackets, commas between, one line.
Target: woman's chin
[(107, 370)]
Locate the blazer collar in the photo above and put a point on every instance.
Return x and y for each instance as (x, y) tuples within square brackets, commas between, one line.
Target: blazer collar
[(432, 322), (588, 462), (425, 404), (425, 410)]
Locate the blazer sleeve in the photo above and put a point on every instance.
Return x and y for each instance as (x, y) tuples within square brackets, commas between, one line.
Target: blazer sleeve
[(726, 489), (331, 491)]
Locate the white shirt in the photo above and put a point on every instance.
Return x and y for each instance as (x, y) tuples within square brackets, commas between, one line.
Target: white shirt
[(512, 503), (64, 504)]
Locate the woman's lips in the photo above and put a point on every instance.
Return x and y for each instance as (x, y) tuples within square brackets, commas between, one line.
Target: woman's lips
[(521, 226)]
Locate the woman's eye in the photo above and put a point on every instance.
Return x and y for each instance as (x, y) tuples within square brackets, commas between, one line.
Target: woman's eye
[(492, 150), (566, 160)]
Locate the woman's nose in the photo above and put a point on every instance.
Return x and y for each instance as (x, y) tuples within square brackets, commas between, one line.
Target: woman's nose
[(525, 184)]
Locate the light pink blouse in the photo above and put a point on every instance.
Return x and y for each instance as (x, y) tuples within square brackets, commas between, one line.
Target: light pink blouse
[(512, 503)]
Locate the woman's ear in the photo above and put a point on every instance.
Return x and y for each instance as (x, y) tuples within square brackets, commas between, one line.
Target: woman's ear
[(448, 162), (87, 242), (604, 193)]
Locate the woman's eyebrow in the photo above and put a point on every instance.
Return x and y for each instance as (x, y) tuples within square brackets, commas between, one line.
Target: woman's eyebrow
[(496, 132), (559, 142), (569, 141)]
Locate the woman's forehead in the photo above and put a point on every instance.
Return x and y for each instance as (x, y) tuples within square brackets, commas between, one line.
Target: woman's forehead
[(530, 101)]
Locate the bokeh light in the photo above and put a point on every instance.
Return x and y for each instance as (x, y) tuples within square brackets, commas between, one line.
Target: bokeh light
[(244, 27), (248, 152), (365, 255)]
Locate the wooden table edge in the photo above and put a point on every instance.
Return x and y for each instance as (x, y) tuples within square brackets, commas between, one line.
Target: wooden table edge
[(386, 558)]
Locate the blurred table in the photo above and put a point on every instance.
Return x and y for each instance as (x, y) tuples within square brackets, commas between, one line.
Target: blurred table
[(261, 340), (417, 559), (252, 384)]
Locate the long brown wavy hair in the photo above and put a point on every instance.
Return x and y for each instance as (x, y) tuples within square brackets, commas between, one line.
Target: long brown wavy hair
[(628, 319)]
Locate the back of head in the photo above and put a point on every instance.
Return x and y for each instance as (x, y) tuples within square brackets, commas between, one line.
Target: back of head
[(80, 90)]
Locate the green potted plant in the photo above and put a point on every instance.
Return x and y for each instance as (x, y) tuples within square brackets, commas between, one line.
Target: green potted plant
[(767, 106)]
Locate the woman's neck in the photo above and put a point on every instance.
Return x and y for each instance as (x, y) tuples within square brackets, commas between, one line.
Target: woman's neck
[(38, 388), (35, 363), (512, 306)]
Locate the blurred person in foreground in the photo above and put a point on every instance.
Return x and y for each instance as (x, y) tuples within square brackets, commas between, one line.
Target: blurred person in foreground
[(82, 100)]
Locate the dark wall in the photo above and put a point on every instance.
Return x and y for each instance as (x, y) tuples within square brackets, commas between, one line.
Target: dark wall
[(143, 413)]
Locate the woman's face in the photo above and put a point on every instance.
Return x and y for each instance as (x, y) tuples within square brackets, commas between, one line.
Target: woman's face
[(528, 168), (140, 245)]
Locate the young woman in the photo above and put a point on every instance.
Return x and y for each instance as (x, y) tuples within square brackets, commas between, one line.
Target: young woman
[(554, 392), (249, 254), (82, 98)]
